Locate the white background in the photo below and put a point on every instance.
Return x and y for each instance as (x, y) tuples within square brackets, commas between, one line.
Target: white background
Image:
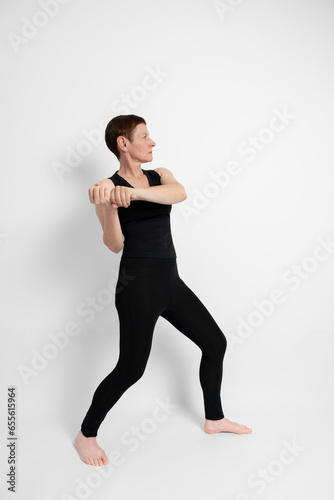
[(225, 71)]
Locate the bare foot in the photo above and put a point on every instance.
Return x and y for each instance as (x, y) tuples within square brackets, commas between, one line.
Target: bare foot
[(225, 425), (89, 450)]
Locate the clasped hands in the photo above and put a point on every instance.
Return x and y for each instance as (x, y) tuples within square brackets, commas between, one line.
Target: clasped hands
[(111, 198)]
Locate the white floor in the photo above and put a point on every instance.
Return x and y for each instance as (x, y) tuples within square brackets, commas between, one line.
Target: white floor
[(289, 454)]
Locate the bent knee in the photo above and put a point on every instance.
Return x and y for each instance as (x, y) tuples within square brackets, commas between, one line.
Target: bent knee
[(218, 348), (222, 344)]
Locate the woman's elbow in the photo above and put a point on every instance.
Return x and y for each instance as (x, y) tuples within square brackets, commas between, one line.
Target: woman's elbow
[(183, 195), (116, 250), (113, 248)]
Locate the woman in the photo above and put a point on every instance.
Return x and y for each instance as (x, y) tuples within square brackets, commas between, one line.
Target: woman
[(136, 203)]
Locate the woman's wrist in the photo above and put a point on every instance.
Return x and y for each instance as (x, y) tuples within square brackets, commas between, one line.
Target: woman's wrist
[(137, 194)]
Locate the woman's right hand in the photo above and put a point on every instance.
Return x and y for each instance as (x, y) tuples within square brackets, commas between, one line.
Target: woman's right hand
[(110, 198), (99, 195), (121, 196)]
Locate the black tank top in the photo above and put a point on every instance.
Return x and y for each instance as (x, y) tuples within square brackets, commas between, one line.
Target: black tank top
[(145, 224)]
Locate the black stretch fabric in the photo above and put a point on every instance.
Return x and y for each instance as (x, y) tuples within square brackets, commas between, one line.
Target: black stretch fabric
[(145, 225), (149, 286), (146, 289)]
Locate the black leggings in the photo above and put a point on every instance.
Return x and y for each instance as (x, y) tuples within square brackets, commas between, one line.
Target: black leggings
[(146, 289)]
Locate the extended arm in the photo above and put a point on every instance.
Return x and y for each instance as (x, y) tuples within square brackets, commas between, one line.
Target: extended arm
[(170, 191)]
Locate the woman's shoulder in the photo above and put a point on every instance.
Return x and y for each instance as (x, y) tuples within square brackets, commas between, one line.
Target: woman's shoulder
[(160, 170), (156, 172), (163, 171), (155, 176), (165, 175), (107, 182)]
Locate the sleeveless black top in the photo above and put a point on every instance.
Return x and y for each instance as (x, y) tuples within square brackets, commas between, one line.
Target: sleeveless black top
[(145, 224)]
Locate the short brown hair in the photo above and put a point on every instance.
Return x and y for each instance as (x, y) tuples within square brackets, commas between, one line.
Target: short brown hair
[(121, 125)]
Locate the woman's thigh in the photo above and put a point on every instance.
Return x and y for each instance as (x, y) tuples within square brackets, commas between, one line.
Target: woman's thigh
[(189, 315), (142, 292)]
